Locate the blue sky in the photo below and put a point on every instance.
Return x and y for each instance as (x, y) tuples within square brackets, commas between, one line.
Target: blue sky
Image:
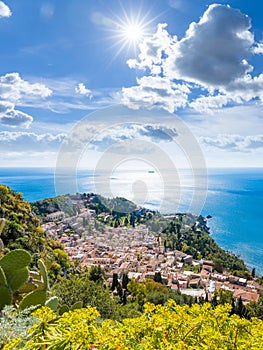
[(199, 61)]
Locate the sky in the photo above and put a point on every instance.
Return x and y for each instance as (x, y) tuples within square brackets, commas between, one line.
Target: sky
[(143, 73)]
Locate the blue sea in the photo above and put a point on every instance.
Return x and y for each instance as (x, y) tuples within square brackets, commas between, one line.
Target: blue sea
[(234, 199)]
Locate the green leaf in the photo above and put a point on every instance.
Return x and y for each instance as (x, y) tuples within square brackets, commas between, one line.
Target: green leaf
[(15, 260), (16, 278), (63, 309), (77, 305), (27, 287), (52, 303), (43, 272), (5, 296), (37, 297)]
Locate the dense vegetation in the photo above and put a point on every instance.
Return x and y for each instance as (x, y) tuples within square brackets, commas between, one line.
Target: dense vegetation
[(22, 230), (198, 243), (50, 205), (118, 300), (159, 327)]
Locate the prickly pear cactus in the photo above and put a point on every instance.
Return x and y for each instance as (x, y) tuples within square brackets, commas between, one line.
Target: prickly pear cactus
[(14, 277), (37, 297), (15, 267), (52, 303), (43, 272), (15, 285)]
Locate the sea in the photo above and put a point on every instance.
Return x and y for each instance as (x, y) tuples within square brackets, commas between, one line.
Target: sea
[(233, 197)]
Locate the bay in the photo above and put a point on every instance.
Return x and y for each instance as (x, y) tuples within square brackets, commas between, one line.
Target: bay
[(234, 199)]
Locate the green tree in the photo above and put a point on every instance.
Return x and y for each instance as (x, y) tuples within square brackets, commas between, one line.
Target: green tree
[(158, 277), (240, 309), (81, 288), (97, 274), (125, 281), (115, 281)]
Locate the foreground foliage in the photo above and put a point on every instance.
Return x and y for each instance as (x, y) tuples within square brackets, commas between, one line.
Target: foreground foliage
[(15, 323), (159, 327), (22, 231)]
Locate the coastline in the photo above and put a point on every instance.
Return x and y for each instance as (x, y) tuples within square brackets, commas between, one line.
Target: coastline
[(236, 211)]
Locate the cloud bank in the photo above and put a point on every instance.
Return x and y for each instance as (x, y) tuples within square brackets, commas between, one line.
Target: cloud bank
[(29, 141), (236, 143)]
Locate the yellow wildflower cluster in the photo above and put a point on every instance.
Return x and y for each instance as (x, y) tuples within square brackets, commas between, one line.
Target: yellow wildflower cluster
[(166, 327)]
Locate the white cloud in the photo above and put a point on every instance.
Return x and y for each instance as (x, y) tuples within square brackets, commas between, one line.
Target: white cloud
[(82, 90), (205, 104), (258, 49), (154, 50), (215, 50), (236, 143), (212, 58), (16, 118), (154, 132), (238, 92), (13, 89), (28, 141), (5, 106), (11, 117), (97, 138), (4, 10), (155, 92)]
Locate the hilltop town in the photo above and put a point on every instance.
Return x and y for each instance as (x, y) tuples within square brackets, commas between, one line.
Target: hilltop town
[(121, 244)]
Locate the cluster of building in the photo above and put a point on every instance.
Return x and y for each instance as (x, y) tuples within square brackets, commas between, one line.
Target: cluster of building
[(136, 252)]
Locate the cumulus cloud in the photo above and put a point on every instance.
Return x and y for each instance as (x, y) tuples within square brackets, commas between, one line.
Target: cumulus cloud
[(82, 90), (16, 118), (258, 49), (154, 51), (12, 89), (153, 92), (236, 143), (212, 58), (208, 103), (28, 141), (11, 117), (5, 106), (4, 10), (215, 50)]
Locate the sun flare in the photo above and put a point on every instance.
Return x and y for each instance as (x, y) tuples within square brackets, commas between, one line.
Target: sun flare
[(133, 32), (128, 30)]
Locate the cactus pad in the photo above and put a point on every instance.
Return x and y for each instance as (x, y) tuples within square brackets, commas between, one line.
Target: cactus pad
[(37, 297), (16, 259), (52, 303), (43, 271), (5, 297)]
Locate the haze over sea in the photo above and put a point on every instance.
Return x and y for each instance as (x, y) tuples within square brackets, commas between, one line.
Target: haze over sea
[(234, 200)]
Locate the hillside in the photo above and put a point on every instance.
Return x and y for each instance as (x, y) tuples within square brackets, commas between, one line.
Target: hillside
[(22, 230), (185, 232)]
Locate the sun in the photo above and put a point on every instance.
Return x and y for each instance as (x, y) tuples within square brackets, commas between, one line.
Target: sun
[(133, 32), (129, 32), (129, 29)]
